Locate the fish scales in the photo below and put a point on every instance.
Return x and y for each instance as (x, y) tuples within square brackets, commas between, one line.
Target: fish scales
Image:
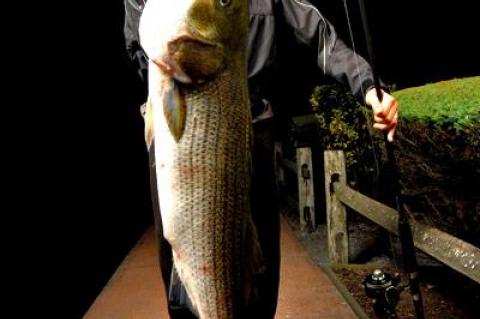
[(210, 184)]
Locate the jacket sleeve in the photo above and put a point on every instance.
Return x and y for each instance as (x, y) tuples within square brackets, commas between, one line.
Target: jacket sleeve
[(334, 57), (133, 11)]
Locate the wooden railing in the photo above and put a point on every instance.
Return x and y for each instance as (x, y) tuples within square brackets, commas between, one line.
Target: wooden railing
[(453, 252)]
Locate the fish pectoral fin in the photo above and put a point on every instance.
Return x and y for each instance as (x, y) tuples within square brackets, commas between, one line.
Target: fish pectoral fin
[(148, 119), (174, 109)]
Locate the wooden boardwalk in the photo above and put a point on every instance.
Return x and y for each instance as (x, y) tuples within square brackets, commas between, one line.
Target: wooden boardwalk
[(135, 290)]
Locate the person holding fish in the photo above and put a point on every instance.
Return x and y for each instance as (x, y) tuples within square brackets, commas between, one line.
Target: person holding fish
[(201, 58)]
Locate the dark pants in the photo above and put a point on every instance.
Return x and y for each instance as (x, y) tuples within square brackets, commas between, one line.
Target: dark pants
[(265, 215)]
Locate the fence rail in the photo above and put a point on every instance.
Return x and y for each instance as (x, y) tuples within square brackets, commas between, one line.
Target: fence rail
[(454, 252), (290, 165)]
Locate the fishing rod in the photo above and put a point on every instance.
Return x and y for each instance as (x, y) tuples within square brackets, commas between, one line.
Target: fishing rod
[(404, 231)]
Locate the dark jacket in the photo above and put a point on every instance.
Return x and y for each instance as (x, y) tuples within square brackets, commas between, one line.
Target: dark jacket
[(309, 27)]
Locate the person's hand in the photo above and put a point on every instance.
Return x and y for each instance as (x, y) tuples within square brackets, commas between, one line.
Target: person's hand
[(385, 113)]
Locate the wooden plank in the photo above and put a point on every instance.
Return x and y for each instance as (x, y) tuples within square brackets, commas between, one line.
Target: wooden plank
[(306, 196), (290, 165), (454, 252), (336, 212), (377, 212), (457, 254)]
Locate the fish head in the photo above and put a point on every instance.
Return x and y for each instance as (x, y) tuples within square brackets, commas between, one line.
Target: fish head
[(193, 40)]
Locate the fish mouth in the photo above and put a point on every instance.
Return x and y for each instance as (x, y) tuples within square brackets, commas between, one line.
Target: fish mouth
[(171, 68), (175, 43), (190, 59)]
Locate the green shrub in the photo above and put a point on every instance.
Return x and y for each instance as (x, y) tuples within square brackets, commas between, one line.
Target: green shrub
[(437, 149), (453, 106), (439, 154), (340, 119), (344, 124)]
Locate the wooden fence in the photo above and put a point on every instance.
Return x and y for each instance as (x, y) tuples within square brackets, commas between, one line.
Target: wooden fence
[(453, 252)]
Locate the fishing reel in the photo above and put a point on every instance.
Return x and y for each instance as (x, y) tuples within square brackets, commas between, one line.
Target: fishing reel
[(384, 290)]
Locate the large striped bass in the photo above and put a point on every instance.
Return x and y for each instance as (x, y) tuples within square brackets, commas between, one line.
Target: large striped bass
[(198, 116)]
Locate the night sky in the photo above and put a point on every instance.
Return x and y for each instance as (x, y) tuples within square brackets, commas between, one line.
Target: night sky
[(98, 198)]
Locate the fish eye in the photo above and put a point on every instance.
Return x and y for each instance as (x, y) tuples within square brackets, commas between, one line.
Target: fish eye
[(225, 3)]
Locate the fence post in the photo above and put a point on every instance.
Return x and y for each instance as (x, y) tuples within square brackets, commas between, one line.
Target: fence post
[(336, 212), (306, 196)]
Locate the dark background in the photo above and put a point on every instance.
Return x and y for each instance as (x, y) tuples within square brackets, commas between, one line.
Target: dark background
[(92, 202)]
